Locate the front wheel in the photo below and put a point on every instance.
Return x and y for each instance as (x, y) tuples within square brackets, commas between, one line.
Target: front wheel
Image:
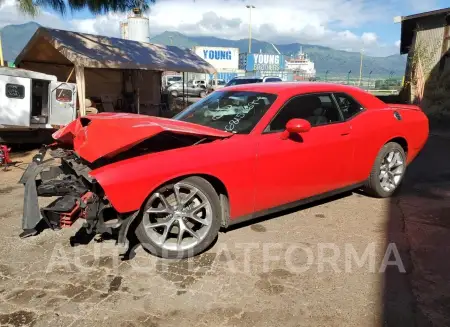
[(180, 220), (387, 172), (202, 94)]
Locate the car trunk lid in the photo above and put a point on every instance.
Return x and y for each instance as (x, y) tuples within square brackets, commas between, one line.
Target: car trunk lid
[(396, 106)]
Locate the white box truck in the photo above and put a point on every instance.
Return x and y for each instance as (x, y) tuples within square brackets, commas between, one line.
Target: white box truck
[(33, 104)]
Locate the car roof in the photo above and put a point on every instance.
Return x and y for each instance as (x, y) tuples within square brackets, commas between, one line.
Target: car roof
[(293, 88), (281, 87)]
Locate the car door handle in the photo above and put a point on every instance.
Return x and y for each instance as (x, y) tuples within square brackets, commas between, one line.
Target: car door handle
[(345, 133)]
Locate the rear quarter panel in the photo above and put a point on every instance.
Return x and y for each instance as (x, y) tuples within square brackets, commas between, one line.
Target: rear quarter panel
[(376, 127), (416, 130), (128, 183)]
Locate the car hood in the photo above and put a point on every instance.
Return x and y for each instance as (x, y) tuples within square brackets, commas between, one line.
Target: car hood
[(108, 134)]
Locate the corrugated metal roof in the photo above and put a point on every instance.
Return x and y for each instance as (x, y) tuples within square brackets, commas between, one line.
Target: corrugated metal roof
[(94, 51)]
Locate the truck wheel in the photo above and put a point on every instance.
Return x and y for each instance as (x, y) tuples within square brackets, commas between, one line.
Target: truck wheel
[(387, 172), (180, 220)]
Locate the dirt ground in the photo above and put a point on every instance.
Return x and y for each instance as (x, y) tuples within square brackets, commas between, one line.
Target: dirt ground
[(319, 265)]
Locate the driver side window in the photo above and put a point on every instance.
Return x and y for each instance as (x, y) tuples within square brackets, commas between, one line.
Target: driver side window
[(318, 109)]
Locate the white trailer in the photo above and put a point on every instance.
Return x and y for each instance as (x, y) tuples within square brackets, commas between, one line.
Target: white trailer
[(32, 102)]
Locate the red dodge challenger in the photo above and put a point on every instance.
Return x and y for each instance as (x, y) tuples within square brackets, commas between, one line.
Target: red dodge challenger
[(242, 152)]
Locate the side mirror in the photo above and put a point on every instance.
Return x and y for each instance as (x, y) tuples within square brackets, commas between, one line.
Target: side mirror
[(296, 126)]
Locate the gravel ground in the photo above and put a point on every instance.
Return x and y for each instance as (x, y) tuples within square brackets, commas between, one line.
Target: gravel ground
[(305, 267)]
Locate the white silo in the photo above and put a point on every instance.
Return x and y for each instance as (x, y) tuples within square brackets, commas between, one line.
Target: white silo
[(124, 30), (136, 27)]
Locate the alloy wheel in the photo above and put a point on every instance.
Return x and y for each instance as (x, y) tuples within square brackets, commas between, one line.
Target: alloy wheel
[(178, 217), (391, 170)]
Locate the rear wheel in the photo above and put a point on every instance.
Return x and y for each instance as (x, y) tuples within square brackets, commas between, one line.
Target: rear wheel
[(180, 220), (387, 172)]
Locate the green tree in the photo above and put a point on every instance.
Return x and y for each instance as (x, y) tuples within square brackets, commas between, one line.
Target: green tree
[(32, 7)]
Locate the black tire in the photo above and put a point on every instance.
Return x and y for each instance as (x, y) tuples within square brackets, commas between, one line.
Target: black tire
[(373, 186), (213, 198), (174, 94), (202, 94)]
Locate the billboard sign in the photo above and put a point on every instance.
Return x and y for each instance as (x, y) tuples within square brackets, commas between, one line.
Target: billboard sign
[(261, 62), (219, 57)]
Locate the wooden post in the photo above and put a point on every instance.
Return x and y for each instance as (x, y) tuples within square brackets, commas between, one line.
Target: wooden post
[(138, 100)]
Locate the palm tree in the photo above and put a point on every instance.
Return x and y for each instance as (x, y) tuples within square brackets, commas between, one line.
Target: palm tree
[(32, 7)]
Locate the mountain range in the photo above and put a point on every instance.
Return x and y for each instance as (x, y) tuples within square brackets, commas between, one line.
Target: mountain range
[(336, 62), (15, 38)]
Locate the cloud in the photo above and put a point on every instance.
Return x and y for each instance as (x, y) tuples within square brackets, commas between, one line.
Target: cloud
[(369, 38), (397, 43), (103, 24), (325, 22)]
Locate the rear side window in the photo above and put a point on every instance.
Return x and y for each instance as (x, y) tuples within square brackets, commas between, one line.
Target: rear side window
[(349, 107)]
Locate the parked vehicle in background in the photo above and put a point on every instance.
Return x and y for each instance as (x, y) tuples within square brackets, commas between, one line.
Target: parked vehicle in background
[(248, 80), (33, 104), (171, 79), (242, 152), (269, 79), (200, 82), (216, 84), (191, 89)]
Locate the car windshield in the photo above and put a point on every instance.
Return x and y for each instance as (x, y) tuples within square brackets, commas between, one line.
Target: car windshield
[(231, 111), (239, 81)]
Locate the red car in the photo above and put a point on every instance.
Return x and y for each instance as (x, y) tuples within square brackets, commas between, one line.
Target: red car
[(240, 153)]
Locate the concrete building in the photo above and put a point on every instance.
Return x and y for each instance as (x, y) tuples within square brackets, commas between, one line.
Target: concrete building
[(425, 38)]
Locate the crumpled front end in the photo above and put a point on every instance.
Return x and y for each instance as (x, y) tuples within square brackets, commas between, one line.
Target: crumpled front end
[(78, 195), (90, 143)]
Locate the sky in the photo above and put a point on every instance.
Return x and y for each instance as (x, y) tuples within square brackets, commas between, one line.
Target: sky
[(349, 25)]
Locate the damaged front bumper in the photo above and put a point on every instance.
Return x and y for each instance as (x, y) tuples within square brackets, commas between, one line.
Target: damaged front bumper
[(78, 196)]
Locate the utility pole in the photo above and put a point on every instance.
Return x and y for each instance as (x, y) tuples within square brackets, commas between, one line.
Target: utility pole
[(250, 28), (2, 63), (360, 67)]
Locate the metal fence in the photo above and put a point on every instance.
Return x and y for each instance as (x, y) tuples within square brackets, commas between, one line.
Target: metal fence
[(378, 85)]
